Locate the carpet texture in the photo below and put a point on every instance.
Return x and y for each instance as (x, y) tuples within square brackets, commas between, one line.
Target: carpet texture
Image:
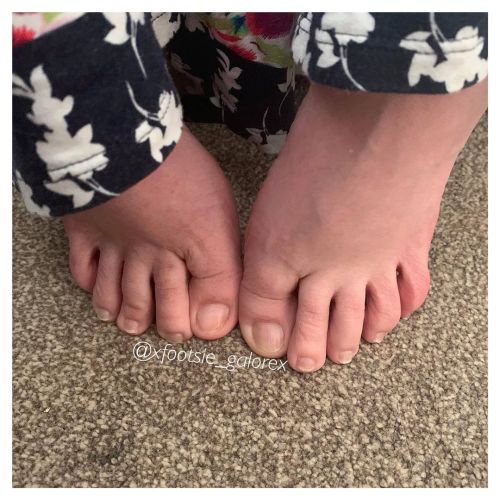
[(409, 412)]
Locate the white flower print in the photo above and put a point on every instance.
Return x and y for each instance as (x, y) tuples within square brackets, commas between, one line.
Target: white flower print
[(224, 81), (300, 41), (68, 158), (348, 27), (193, 22), (168, 121), (269, 143), (165, 25), (460, 57), (287, 86), (289, 82), (66, 187), (120, 35), (181, 73), (273, 142), (27, 193)]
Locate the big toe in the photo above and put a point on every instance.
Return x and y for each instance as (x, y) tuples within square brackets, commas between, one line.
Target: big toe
[(213, 288), (267, 308)]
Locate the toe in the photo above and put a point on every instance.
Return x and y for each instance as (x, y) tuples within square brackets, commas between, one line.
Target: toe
[(307, 347), (383, 309), (137, 310), (346, 323), (213, 304), (413, 283), (172, 299), (213, 287), (267, 307), (106, 294), (83, 260)]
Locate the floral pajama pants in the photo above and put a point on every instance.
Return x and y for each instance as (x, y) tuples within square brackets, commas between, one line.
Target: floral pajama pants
[(99, 98)]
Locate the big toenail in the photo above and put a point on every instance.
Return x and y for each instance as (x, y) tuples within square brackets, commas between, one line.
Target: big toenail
[(102, 314), (175, 338), (212, 316), (268, 337), (306, 364), (378, 338), (131, 326), (345, 357)]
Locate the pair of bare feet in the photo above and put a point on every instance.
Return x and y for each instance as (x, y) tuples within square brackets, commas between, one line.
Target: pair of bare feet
[(337, 244)]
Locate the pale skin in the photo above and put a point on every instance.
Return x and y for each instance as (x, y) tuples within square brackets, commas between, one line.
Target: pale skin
[(336, 248), (176, 234)]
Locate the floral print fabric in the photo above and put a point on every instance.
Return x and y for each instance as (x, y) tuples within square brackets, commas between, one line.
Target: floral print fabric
[(428, 53), (26, 26), (236, 69), (97, 97), (94, 112)]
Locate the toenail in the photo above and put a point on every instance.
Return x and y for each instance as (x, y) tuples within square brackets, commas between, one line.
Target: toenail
[(268, 337), (378, 338), (102, 314), (306, 364), (345, 357), (212, 316), (131, 326), (175, 338)]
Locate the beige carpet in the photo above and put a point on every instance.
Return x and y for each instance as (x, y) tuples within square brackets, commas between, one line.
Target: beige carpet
[(409, 412)]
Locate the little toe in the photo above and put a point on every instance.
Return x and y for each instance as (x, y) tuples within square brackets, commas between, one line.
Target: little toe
[(83, 261), (413, 283), (383, 309), (307, 346), (137, 310), (172, 299), (106, 294), (346, 324)]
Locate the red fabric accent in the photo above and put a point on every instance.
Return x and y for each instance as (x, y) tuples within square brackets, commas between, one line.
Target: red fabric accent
[(21, 34), (245, 53), (269, 24), (226, 37)]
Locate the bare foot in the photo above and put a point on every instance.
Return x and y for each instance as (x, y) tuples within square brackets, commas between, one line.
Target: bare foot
[(338, 240), (169, 244)]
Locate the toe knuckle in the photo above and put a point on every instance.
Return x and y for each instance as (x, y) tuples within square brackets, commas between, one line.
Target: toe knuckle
[(134, 307), (81, 278), (387, 317), (268, 280), (167, 320), (100, 297), (422, 285), (167, 280), (165, 283), (420, 288), (74, 264), (310, 326), (353, 306), (307, 335)]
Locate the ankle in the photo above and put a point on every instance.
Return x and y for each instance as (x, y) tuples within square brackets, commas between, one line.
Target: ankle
[(435, 127)]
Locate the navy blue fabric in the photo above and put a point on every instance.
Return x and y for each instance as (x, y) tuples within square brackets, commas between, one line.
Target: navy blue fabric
[(380, 64), (79, 63), (260, 105), (98, 74)]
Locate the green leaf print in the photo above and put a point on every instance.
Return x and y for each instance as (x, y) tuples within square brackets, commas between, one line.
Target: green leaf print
[(50, 16), (274, 54)]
